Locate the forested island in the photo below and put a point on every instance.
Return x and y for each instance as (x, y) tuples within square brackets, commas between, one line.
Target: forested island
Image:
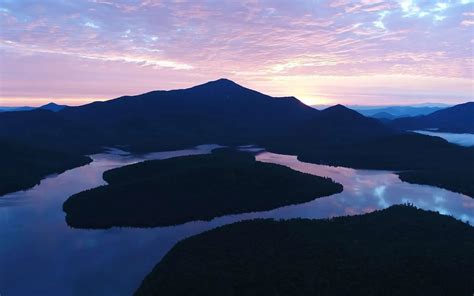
[(23, 166), (178, 190), (397, 251)]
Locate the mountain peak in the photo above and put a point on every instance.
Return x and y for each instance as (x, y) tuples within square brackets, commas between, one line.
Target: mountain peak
[(224, 87), (338, 108), (50, 104), (339, 111), (221, 83), (52, 107)]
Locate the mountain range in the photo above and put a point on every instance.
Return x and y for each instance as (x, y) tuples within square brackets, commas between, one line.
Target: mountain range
[(391, 112), (226, 113), (455, 119), (50, 106), (219, 111)]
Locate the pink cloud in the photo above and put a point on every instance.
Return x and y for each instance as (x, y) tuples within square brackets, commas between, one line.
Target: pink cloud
[(180, 43)]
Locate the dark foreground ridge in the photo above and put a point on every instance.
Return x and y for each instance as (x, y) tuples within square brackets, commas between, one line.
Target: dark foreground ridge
[(178, 190), (398, 251)]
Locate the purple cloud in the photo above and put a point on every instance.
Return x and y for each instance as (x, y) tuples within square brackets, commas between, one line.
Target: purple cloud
[(358, 52)]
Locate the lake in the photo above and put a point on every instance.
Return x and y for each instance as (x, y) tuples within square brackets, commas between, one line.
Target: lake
[(460, 139), (41, 255)]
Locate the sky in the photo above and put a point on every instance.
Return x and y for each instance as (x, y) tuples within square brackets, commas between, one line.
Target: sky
[(366, 52)]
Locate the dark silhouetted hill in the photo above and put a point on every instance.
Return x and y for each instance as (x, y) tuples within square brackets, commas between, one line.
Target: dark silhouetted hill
[(397, 251), (23, 166), (53, 107), (342, 121), (48, 130), (218, 111), (336, 126)]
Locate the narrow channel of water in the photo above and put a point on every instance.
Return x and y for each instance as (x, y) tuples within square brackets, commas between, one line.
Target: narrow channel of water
[(41, 255)]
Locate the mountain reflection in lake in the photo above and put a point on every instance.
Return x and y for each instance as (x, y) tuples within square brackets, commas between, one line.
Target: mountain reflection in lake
[(41, 255)]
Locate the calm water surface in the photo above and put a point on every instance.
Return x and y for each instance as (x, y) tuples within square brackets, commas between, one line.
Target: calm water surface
[(41, 255)]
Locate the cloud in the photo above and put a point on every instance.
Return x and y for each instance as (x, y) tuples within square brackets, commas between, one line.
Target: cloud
[(260, 40), (469, 20), (91, 25), (467, 23), (110, 57)]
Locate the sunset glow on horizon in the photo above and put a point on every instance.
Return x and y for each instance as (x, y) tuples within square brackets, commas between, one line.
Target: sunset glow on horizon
[(366, 52)]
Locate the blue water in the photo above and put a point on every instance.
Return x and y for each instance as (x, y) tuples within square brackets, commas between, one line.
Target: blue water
[(41, 255)]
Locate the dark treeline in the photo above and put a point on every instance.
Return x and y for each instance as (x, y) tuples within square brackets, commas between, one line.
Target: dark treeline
[(397, 251), (178, 190), (22, 166), (452, 179), (429, 160), (367, 146)]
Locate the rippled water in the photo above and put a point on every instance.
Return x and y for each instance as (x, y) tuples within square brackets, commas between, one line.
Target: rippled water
[(41, 255)]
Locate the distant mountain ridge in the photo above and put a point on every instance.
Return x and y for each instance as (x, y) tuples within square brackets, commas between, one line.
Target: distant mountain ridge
[(392, 112), (383, 115), (456, 119), (50, 106), (12, 109)]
